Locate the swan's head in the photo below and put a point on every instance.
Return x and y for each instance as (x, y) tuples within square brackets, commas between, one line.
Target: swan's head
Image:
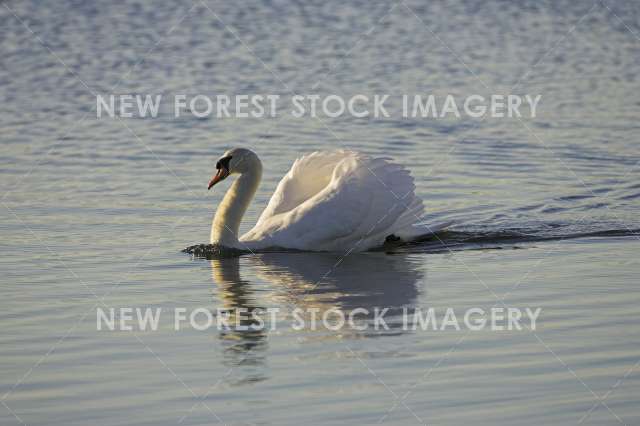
[(236, 160)]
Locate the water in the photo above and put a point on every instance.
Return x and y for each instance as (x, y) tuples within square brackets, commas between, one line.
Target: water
[(96, 211)]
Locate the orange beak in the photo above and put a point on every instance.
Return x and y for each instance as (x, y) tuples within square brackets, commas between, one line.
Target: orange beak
[(221, 175)]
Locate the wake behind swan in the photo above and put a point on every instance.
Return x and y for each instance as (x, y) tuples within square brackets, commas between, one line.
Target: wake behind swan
[(329, 201)]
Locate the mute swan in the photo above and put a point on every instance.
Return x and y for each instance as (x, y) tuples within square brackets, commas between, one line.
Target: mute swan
[(329, 201)]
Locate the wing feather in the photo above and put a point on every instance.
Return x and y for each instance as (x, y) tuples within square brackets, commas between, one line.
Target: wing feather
[(308, 175)]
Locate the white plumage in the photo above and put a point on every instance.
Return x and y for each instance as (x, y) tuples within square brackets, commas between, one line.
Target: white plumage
[(329, 201)]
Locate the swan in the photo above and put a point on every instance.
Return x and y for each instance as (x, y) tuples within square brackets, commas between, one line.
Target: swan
[(329, 201)]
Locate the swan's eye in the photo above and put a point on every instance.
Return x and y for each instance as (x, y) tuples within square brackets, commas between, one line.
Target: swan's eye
[(223, 162)]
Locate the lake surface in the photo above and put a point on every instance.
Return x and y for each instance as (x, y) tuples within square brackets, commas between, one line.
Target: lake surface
[(96, 212)]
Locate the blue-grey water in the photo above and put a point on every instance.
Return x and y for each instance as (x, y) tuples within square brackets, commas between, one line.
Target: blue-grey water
[(95, 213)]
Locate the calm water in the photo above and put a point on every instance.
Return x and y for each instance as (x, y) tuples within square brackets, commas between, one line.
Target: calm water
[(96, 211)]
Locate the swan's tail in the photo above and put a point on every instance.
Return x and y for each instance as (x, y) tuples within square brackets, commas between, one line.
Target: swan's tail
[(416, 233), (410, 227)]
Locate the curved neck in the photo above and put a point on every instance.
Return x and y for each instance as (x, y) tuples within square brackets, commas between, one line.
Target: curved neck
[(226, 222)]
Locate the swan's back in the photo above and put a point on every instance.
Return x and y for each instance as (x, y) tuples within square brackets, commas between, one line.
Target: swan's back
[(338, 200)]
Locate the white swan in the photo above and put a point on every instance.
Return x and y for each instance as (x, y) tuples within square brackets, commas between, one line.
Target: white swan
[(328, 201)]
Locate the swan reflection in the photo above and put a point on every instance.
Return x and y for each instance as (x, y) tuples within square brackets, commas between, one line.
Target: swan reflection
[(326, 280), (313, 282), (244, 345)]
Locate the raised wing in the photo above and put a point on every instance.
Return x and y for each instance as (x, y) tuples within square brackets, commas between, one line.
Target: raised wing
[(338, 200)]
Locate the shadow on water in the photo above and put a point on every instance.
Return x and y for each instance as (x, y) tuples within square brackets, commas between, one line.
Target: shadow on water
[(449, 240), (317, 283)]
